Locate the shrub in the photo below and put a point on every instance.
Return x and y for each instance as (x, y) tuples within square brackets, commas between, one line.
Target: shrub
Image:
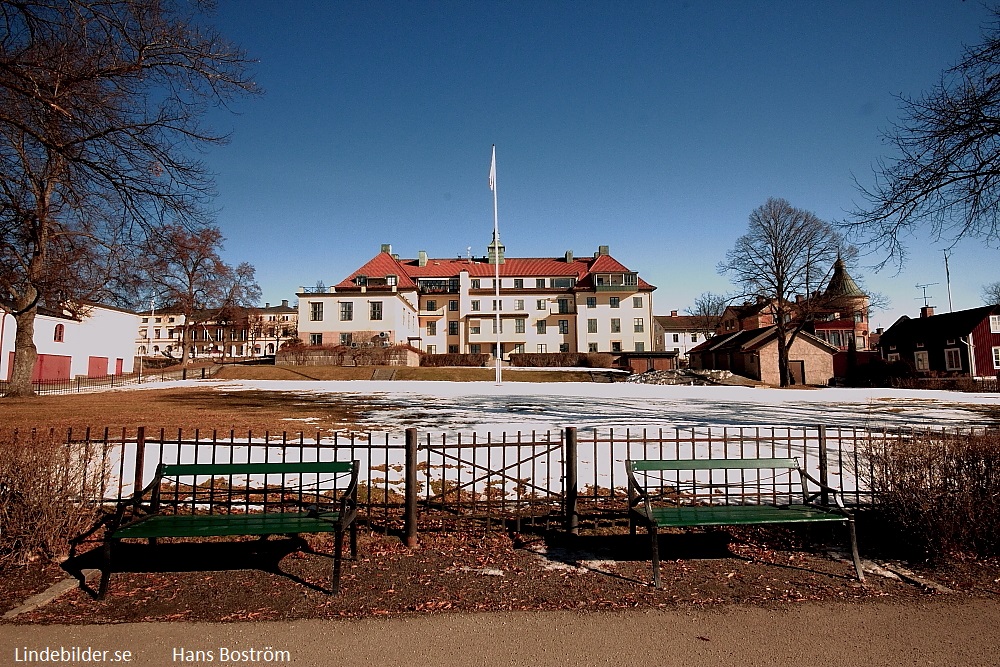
[(45, 489), (562, 360), (938, 493), (476, 360)]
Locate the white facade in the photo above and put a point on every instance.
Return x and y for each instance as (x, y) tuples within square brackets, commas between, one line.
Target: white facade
[(101, 343)]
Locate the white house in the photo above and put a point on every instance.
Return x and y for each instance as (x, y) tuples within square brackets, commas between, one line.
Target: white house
[(101, 343), (546, 304)]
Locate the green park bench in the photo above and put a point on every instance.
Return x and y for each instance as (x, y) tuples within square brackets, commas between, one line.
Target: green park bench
[(728, 492), (198, 500)]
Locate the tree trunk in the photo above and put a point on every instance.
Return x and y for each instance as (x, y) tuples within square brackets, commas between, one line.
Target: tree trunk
[(25, 354), (185, 330), (783, 375)]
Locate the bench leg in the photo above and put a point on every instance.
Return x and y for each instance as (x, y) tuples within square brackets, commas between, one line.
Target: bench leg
[(102, 589), (338, 553), (655, 539), (852, 533)]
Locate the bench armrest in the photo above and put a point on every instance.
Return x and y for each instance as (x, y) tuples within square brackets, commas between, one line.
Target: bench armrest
[(835, 493)]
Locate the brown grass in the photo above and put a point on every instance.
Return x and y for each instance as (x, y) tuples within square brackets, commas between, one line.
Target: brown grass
[(449, 374)]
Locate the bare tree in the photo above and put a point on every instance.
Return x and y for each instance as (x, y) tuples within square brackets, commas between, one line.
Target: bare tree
[(707, 310), (785, 252), (946, 176), (101, 104), (183, 268), (990, 294)]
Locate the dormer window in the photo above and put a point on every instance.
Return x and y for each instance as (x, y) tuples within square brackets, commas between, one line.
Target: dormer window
[(57, 335), (919, 345), (361, 281), (391, 281)]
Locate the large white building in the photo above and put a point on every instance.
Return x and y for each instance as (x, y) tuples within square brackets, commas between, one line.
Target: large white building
[(98, 344), (562, 304)]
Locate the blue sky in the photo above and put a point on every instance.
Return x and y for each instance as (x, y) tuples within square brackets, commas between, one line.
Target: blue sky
[(654, 128)]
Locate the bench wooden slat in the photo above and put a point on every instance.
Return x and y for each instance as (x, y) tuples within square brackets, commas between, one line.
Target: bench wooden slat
[(734, 515), (212, 525), (226, 469), (651, 465)]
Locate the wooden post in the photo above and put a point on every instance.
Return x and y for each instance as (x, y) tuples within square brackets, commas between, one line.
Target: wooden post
[(570, 474), (410, 489), (824, 466), (140, 457)]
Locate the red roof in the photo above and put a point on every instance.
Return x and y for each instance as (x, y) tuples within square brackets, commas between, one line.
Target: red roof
[(385, 264)]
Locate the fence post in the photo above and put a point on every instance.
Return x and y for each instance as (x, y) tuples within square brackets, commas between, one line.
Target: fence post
[(824, 466), (202, 372), (570, 474), (184, 374), (410, 489), (140, 457)]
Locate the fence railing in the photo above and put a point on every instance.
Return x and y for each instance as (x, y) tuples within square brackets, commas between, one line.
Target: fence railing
[(82, 384), (547, 476)]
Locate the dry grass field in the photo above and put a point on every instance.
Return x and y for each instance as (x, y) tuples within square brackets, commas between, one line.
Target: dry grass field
[(217, 409)]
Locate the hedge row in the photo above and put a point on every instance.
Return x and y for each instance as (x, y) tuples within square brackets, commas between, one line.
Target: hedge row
[(476, 360), (562, 360)]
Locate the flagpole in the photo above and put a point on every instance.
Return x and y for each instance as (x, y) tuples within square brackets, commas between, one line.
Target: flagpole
[(496, 261)]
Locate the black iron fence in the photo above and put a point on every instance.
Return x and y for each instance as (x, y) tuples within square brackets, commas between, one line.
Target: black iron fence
[(82, 384), (562, 476)]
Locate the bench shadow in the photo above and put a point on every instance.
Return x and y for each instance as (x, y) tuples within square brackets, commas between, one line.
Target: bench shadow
[(136, 557)]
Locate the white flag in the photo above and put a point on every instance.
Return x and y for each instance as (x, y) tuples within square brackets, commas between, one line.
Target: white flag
[(493, 169)]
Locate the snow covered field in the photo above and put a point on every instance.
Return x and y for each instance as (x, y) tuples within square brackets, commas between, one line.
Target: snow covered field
[(527, 405)]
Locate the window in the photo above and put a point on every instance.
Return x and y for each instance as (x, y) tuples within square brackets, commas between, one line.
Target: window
[(453, 305), (640, 347), (57, 335), (452, 328), (637, 303), (592, 326), (616, 325), (920, 361), (391, 281), (156, 333), (376, 310), (518, 283), (540, 283), (475, 304), (316, 339), (859, 317), (892, 357), (638, 326), (564, 347), (475, 330), (540, 326), (592, 347), (591, 302), (495, 325), (453, 349), (677, 338), (432, 349), (519, 325), (694, 338), (541, 304), (996, 357), (475, 348), (953, 359), (432, 328), (563, 283), (432, 305), (518, 304), (994, 323), (475, 283), (616, 346), (345, 339), (497, 305), (316, 311), (518, 348), (615, 301), (563, 327), (563, 305), (543, 348), (346, 311)]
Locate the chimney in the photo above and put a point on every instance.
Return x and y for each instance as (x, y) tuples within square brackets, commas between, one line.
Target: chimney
[(569, 256), (422, 258), (603, 250), (284, 303), (267, 304), (673, 313), (927, 311), (387, 248)]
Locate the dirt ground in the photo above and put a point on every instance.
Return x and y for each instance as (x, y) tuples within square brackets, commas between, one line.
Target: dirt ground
[(474, 571)]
